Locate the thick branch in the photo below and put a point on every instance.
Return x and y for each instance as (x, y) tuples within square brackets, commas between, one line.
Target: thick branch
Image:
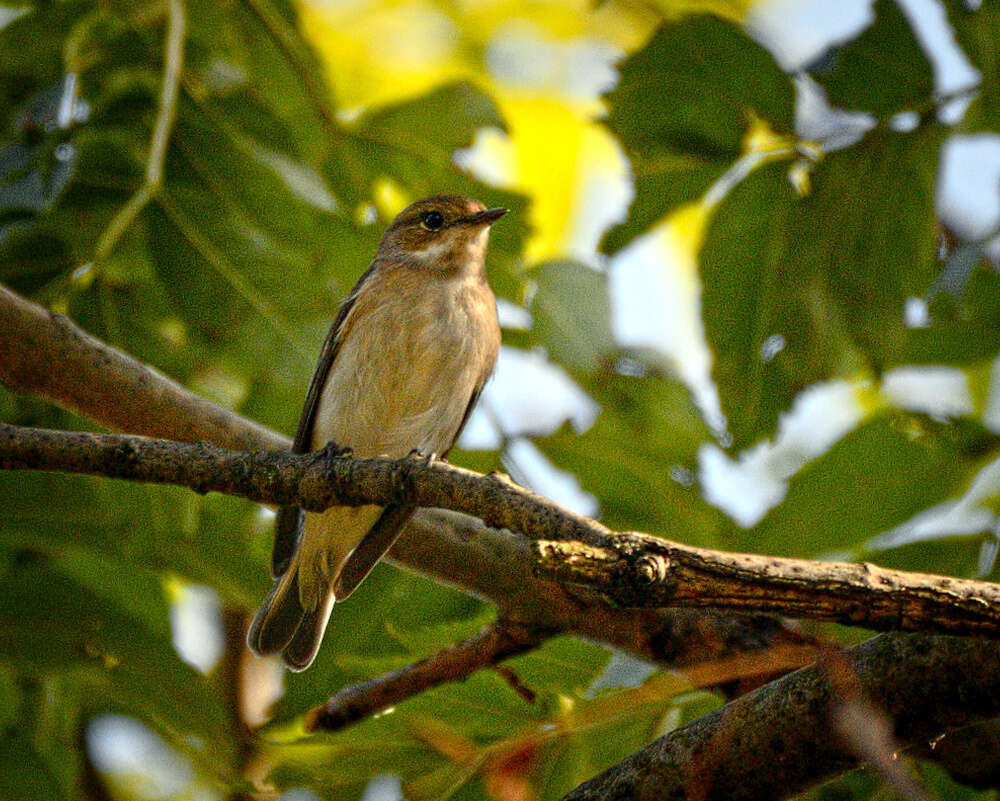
[(315, 481), (497, 564), (924, 684), (494, 643), (46, 355), (637, 570), (632, 570)]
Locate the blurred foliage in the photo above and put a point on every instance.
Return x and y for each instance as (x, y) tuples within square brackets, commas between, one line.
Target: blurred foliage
[(837, 303), (226, 270), (888, 48), (678, 149)]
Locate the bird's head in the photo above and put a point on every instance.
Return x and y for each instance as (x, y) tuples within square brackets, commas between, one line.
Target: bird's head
[(445, 232)]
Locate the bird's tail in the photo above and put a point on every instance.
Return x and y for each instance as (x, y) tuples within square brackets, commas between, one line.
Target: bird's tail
[(284, 625)]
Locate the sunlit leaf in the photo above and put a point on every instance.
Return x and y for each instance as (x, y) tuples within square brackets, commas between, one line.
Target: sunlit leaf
[(884, 70), (682, 108), (801, 290), (876, 478)]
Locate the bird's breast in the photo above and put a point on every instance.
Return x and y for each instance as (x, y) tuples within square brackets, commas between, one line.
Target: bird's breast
[(408, 366)]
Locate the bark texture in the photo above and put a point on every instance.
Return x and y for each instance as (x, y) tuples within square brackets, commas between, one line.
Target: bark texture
[(778, 740)]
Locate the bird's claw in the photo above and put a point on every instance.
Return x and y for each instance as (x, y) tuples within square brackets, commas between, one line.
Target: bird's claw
[(416, 453), (332, 449)]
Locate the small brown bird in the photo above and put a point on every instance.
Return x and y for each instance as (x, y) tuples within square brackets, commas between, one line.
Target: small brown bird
[(405, 360)]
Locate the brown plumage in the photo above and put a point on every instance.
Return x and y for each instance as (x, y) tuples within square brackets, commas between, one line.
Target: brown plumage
[(405, 360)]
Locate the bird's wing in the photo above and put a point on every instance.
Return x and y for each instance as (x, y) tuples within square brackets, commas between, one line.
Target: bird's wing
[(373, 547), (387, 528), (476, 392), (289, 521)]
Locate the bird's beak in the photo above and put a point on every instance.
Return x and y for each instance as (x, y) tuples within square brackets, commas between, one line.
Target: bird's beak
[(487, 217)]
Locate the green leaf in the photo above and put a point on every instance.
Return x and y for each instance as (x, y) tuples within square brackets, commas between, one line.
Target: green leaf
[(975, 31), (753, 286), (572, 315), (860, 784), (681, 109), (565, 665), (24, 774), (966, 774), (31, 55), (884, 70), (207, 540), (947, 556), (799, 291), (964, 323), (640, 457), (877, 477), (50, 729), (10, 698), (446, 118), (445, 743), (104, 626), (394, 617)]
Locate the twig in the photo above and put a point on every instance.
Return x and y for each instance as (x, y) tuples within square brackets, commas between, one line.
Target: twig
[(631, 570), (514, 682), (495, 642), (173, 66), (229, 674), (925, 684), (46, 355)]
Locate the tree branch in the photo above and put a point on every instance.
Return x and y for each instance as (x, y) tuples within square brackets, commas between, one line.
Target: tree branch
[(46, 355), (315, 481), (637, 570), (498, 565), (924, 684), (631, 570), (497, 641)]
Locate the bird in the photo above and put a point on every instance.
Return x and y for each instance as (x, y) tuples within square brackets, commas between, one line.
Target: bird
[(404, 362)]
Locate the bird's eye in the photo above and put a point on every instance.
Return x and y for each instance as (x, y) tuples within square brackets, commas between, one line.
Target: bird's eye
[(431, 220)]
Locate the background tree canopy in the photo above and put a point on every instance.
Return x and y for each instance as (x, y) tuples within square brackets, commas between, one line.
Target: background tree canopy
[(785, 344)]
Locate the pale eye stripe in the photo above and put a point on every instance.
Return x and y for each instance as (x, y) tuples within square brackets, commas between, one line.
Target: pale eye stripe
[(431, 252)]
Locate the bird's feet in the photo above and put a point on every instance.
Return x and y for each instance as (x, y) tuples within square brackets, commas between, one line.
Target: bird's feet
[(416, 453), (333, 449)]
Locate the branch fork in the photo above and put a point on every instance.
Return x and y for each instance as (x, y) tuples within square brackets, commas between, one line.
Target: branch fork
[(576, 576), (628, 570)]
